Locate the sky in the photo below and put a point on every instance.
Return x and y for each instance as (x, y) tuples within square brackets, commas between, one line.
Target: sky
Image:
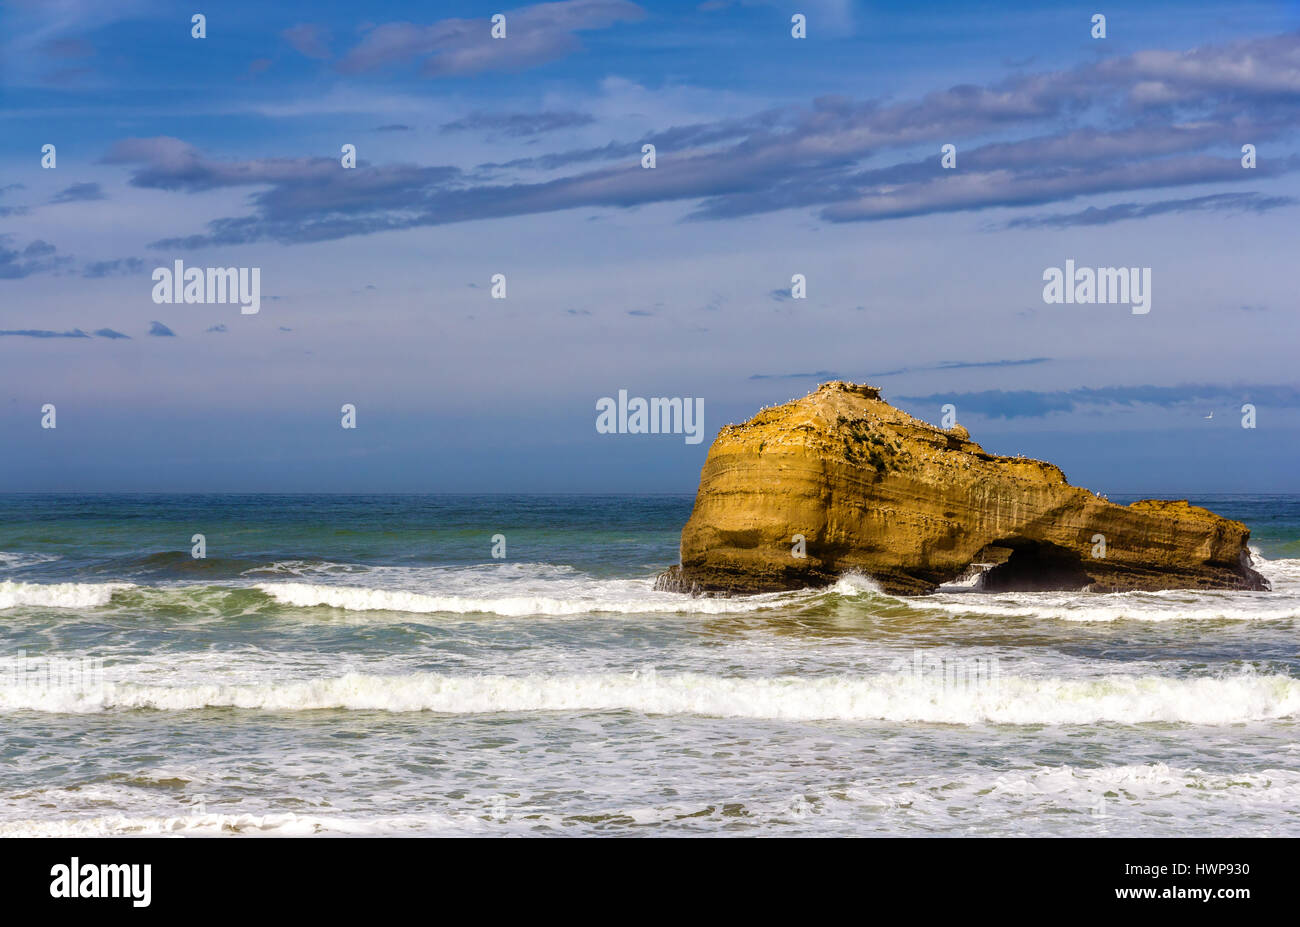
[(523, 156)]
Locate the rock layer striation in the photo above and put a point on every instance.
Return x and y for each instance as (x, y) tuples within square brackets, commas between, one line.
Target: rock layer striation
[(871, 489)]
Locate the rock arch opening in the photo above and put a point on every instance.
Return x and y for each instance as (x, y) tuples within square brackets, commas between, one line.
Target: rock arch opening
[(1024, 565)]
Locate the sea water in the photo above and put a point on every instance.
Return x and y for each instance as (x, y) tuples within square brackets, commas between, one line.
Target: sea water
[(363, 665)]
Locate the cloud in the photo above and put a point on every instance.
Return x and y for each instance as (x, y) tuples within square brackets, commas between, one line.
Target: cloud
[(807, 157), (395, 127), (110, 333), (41, 333), (38, 256), (963, 365), (518, 125), (1033, 404), (12, 210), (110, 268), (79, 192), (41, 257), (218, 328), (819, 375), (535, 34), (943, 365), (1218, 202), (309, 40), (160, 330), (1246, 69)]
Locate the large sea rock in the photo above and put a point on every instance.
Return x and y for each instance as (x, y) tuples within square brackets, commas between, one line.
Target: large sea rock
[(873, 490)]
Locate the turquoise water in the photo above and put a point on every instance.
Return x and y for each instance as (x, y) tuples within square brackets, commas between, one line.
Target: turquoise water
[(362, 664)]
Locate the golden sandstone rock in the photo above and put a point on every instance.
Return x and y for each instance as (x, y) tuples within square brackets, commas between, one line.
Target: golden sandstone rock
[(872, 489)]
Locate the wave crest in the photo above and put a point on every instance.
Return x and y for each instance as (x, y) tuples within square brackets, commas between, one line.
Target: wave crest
[(895, 697), (58, 595), (626, 597)]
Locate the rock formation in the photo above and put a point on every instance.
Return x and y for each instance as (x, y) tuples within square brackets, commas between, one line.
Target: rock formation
[(872, 489)]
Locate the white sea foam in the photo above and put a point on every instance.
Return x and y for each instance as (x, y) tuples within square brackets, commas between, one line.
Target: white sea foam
[(1115, 799), (210, 825), (854, 583), (898, 697), (307, 568), (532, 589), (14, 561), (1284, 575), (590, 596), (58, 595), (1148, 782), (1282, 603), (1132, 606)]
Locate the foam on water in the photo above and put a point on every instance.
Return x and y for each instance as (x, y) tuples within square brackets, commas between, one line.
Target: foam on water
[(212, 825), (548, 590), (856, 584), (895, 697), (592, 596), (16, 561), (517, 590), (1110, 799), (1280, 604), (58, 595), (1131, 606)]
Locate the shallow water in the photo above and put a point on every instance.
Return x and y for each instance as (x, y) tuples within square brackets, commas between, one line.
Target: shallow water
[(361, 665)]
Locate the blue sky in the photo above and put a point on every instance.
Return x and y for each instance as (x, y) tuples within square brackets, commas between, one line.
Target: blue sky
[(521, 156)]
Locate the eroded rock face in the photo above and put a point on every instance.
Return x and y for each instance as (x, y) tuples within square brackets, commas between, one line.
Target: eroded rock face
[(872, 489)]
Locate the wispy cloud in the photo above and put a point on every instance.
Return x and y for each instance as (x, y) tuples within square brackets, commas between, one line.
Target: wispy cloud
[(1217, 202), (110, 268), (806, 157), (943, 365), (78, 193), (158, 329), (309, 40), (11, 210), (819, 375), (1010, 404), (536, 34), (42, 333), (518, 125), (963, 365), (36, 257)]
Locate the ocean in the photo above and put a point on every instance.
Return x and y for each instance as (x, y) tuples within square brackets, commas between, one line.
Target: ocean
[(364, 665)]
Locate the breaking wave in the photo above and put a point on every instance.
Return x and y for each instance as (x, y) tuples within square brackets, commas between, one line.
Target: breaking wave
[(58, 595), (897, 697), (619, 596)]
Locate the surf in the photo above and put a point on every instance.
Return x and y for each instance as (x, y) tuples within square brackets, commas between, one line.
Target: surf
[(890, 697)]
